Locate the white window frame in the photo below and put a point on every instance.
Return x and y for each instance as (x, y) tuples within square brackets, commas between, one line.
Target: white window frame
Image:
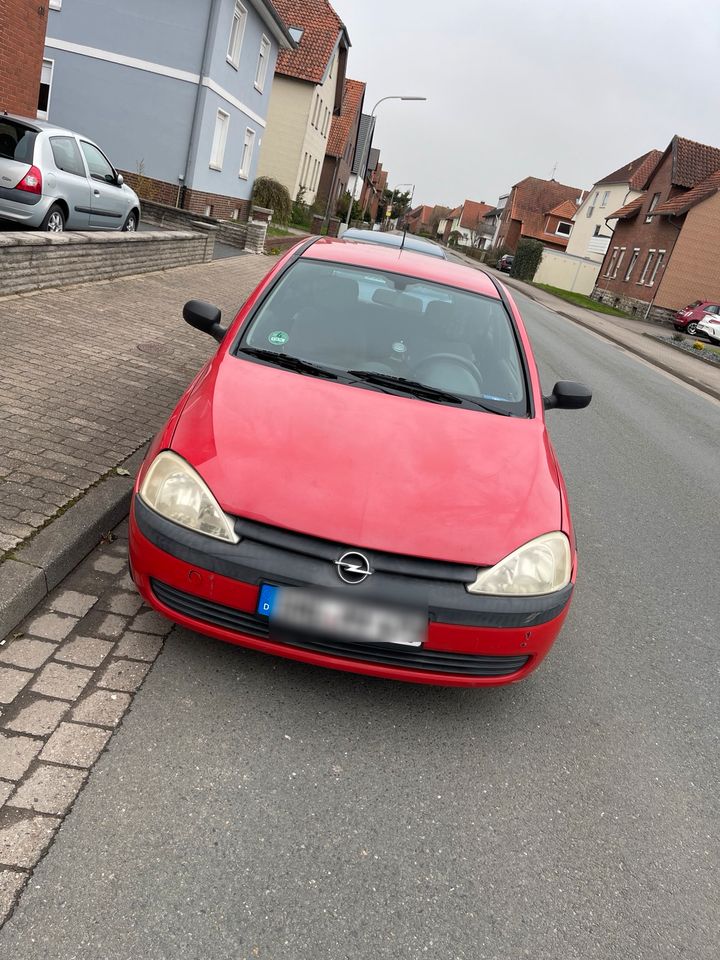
[(650, 258), (43, 114), (613, 258), (55, 4), (606, 197), (631, 265), (619, 261), (304, 170), (653, 203), (247, 153), (658, 264), (591, 208), (219, 141), (559, 232), (239, 17), (262, 64)]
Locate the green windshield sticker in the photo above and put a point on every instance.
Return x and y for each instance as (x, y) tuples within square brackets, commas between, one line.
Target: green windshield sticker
[(278, 337)]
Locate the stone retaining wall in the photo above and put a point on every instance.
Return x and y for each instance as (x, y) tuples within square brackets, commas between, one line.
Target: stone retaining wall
[(35, 261), (248, 235)]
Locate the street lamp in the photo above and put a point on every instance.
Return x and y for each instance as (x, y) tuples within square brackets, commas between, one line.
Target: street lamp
[(366, 145)]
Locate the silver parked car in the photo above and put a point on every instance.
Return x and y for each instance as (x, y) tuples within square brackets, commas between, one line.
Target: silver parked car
[(54, 179)]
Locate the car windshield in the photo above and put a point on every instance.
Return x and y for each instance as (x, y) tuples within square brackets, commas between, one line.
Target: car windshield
[(382, 330), (16, 141)]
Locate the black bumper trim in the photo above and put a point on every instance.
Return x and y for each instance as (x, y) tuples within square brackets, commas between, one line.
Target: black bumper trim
[(254, 563), (408, 658)]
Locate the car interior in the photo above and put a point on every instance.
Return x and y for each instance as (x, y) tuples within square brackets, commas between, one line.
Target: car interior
[(350, 318)]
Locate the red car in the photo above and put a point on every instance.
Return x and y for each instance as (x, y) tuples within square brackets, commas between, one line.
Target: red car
[(361, 477), (686, 320)]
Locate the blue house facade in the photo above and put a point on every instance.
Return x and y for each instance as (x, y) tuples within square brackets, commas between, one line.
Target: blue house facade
[(176, 91)]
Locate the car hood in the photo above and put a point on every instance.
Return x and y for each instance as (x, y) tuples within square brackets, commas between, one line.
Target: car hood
[(368, 469)]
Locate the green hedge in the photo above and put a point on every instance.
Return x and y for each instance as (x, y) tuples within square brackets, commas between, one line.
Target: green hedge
[(527, 259), (273, 195)]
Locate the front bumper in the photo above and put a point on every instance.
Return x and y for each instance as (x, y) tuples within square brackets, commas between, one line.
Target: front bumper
[(213, 587)]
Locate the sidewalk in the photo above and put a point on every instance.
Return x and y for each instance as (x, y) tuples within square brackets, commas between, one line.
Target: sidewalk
[(89, 374), (637, 336)]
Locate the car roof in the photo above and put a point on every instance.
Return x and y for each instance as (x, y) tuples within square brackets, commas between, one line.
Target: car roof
[(41, 126), (395, 240), (406, 262)]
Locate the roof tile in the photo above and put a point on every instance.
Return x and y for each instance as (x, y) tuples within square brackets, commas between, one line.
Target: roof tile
[(636, 172), (684, 201), (343, 125), (473, 212), (629, 210), (321, 28)]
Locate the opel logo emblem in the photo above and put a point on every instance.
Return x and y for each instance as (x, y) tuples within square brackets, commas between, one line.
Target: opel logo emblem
[(353, 567)]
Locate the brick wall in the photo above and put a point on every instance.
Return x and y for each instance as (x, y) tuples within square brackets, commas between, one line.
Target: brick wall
[(657, 235), (34, 261), (693, 272), (196, 201), (22, 39), (148, 188)]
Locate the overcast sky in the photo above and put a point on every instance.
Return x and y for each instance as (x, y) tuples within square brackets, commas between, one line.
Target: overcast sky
[(517, 86)]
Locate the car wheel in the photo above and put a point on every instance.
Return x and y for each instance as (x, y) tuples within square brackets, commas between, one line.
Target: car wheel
[(54, 221), (130, 225), (679, 327), (692, 328)]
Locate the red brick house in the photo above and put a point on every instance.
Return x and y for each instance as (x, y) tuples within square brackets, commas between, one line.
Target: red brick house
[(418, 219), (540, 210), (665, 251), (22, 40), (340, 152), (376, 179)]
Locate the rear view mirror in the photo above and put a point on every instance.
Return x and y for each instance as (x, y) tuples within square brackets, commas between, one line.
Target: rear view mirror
[(119, 180), (205, 317), (568, 395)]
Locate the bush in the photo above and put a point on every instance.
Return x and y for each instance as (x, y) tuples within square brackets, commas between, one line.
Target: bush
[(698, 345), (272, 194), (527, 259)]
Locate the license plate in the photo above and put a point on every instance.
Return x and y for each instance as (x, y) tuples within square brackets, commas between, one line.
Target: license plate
[(341, 617)]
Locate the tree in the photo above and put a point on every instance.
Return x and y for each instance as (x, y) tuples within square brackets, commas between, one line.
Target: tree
[(527, 259)]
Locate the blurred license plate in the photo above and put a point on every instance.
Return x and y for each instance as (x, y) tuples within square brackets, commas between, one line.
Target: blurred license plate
[(341, 617)]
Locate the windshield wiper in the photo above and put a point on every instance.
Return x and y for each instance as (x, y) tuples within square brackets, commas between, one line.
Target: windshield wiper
[(290, 363), (423, 391)]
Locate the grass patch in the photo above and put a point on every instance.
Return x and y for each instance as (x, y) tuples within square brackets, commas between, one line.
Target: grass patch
[(580, 300), (273, 231)]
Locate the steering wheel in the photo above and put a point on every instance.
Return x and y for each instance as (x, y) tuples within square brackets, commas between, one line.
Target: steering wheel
[(466, 364)]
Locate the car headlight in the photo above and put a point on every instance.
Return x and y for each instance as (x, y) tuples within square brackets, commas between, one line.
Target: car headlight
[(177, 492), (541, 566)]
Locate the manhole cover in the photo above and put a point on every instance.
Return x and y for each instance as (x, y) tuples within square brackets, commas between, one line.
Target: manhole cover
[(154, 349)]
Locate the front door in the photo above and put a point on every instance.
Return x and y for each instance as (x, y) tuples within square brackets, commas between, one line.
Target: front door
[(108, 202), (70, 181)]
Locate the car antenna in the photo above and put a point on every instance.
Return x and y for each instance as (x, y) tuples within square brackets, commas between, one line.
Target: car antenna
[(402, 245)]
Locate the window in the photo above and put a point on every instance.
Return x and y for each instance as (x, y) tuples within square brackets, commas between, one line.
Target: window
[(613, 258), (235, 214), (98, 164), (45, 85), (66, 155), (208, 210), (316, 111), (332, 67), (303, 171), (653, 204), (606, 197), (591, 208), (17, 142), (237, 32), (55, 4), (222, 122), (296, 33), (658, 264), (247, 153), (596, 231), (633, 261), (563, 228), (618, 262), (262, 64), (649, 260)]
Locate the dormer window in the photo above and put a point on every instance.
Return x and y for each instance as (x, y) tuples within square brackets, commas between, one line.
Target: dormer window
[(653, 203), (296, 33)]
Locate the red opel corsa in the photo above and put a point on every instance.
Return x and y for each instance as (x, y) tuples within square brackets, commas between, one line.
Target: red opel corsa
[(361, 477)]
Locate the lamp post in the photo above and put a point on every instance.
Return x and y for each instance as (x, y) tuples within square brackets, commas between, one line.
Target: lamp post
[(366, 146)]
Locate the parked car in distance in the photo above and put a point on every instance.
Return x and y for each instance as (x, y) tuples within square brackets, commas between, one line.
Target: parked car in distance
[(709, 326), (364, 484), (686, 321), (396, 240), (53, 179), (505, 263)]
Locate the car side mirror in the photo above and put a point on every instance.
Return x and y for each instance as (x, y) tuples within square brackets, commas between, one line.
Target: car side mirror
[(568, 395), (119, 180), (205, 317)]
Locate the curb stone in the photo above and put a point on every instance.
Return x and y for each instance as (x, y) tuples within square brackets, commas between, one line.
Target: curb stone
[(37, 566)]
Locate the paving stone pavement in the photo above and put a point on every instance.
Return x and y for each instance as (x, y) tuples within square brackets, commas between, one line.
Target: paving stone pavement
[(67, 677), (89, 375)]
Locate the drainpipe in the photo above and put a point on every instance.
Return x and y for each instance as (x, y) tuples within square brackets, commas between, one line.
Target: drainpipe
[(213, 14)]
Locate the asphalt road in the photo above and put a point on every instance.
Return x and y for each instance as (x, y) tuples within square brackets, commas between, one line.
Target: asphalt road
[(253, 807)]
